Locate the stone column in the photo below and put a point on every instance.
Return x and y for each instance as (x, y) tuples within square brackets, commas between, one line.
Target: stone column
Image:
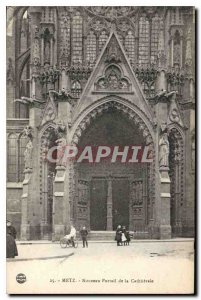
[(161, 82), (58, 204), (63, 82), (35, 14), (30, 195), (25, 206), (42, 50), (178, 222), (51, 52), (163, 204), (165, 228), (109, 205)]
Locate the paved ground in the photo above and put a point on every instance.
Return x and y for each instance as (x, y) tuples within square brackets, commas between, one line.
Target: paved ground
[(142, 267)]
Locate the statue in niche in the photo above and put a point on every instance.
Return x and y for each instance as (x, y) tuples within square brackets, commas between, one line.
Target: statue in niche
[(10, 71), (47, 52), (113, 81), (61, 142), (27, 132), (164, 150), (28, 155)]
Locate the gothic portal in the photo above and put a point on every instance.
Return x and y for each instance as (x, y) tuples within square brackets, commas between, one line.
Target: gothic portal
[(100, 76)]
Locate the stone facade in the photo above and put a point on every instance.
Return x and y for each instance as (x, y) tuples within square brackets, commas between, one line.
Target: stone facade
[(90, 75)]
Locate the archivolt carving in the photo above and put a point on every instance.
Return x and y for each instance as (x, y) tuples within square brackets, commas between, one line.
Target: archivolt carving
[(120, 107)]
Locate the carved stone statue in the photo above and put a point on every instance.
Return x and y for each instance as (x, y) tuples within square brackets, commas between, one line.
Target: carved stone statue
[(28, 155), (61, 142), (164, 150), (27, 131), (10, 71)]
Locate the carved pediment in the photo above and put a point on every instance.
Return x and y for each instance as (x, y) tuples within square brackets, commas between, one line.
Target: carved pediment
[(114, 75)]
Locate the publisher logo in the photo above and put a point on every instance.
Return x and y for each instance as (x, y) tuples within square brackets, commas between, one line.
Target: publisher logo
[(20, 278)]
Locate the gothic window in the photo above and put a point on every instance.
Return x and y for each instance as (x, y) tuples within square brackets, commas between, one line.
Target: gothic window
[(64, 38), (130, 45), (24, 91), (77, 38), (43, 14), (12, 158), (177, 49), (154, 38), (76, 88), (51, 14), (180, 16), (91, 47), (48, 14), (144, 41), (25, 33), (47, 38), (22, 146), (15, 157), (173, 16), (102, 39)]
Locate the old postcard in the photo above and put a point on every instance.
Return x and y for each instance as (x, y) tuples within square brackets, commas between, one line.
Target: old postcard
[(100, 149)]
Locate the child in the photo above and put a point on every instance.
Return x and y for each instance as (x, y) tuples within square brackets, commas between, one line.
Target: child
[(127, 238), (123, 238)]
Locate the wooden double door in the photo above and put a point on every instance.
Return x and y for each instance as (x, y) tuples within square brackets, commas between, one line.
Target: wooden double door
[(104, 203), (109, 206)]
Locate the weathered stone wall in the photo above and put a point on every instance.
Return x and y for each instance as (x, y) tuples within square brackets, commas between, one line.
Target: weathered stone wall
[(13, 194)]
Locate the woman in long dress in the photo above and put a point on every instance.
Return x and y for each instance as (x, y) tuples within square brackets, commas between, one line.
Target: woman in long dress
[(118, 235), (11, 247)]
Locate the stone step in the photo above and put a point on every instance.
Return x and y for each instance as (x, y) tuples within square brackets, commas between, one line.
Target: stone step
[(110, 235), (101, 235)]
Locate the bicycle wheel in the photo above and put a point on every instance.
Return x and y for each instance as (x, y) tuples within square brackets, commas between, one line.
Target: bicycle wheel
[(63, 243), (68, 243)]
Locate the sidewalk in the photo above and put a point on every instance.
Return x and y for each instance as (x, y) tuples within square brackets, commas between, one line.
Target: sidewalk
[(44, 250)]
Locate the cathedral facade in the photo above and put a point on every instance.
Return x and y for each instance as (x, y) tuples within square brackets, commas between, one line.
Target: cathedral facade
[(96, 76)]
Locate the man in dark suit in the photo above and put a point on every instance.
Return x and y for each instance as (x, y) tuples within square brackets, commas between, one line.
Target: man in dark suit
[(84, 233)]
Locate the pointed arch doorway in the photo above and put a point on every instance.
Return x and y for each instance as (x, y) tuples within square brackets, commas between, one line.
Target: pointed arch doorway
[(109, 194)]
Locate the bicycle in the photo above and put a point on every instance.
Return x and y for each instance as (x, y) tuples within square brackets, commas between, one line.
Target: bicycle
[(66, 243)]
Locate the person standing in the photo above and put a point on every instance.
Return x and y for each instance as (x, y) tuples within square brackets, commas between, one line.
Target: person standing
[(118, 235), (10, 229), (72, 235), (128, 238), (11, 247), (123, 237), (84, 233)]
